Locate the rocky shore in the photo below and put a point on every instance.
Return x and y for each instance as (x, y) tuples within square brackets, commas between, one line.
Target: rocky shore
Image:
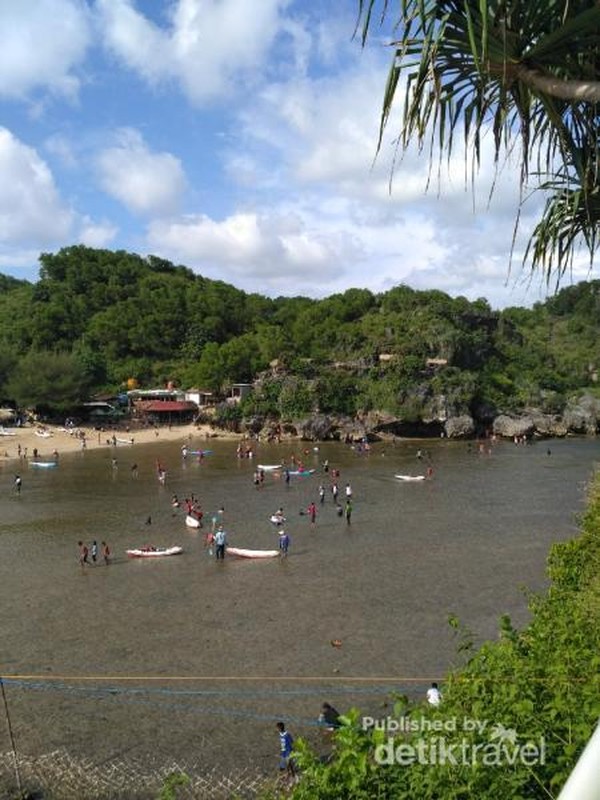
[(441, 419)]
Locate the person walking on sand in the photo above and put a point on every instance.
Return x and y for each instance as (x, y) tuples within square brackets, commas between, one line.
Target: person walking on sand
[(434, 697), (286, 745), (105, 553), (83, 553)]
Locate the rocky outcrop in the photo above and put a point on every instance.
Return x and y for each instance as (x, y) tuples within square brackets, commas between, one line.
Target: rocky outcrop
[(510, 427), (317, 428), (429, 415), (459, 427), (547, 424), (583, 415)]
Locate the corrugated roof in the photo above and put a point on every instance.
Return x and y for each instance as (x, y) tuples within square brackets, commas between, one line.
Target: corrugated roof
[(157, 406)]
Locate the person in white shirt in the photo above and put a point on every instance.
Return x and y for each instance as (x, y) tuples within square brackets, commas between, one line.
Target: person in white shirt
[(220, 541), (434, 696)]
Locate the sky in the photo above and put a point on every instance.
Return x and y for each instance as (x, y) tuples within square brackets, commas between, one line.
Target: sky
[(238, 138)]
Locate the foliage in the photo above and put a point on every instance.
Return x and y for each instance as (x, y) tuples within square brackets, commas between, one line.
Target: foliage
[(522, 74), (51, 382), (119, 316), (540, 684), (170, 785)]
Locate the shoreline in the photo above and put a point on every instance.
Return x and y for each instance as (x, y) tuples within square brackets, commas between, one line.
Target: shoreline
[(63, 441)]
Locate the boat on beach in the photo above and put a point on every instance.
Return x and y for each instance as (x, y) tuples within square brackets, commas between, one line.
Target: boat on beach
[(6, 432), (153, 552), (410, 477), (44, 434), (270, 467), (241, 552)]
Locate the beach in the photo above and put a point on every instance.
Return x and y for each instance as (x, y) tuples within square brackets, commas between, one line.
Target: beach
[(63, 441)]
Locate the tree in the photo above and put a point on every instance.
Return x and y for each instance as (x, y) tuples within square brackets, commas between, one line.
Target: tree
[(527, 71), (50, 382)]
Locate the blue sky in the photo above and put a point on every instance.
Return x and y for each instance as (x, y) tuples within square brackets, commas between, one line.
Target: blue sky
[(236, 137)]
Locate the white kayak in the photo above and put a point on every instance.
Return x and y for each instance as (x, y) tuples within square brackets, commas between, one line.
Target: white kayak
[(192, 522), (277, 519), (123, 441), (44, 434), (270, 467), (240, 552), (410, 477), (4, 432), (154, 552), (43, 463)]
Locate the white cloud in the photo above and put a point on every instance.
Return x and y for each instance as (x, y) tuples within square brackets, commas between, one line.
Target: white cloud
[(42, 44), (271, 254), (207, 47), (145, 182), (96, 234), (31, 211), (59, 147)]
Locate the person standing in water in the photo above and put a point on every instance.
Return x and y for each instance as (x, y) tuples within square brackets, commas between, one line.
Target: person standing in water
[(348, 512)]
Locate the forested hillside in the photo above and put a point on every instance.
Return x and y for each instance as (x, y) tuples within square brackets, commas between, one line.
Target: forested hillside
[(96, 318)]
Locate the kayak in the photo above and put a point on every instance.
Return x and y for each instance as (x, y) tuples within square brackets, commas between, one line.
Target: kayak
[(154, 552), (410, 477), (277, 519), (123, 441), (240, 552), (43, 463), (192, 522), (200, 452), (301, 472), (43, 434), (4, 432), (270, 467)]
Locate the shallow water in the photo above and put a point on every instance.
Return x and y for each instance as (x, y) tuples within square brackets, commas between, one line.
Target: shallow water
[(466, 542)]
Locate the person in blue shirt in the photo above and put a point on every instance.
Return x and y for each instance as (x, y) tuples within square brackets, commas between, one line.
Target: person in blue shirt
[(284, 543), (286, 745)]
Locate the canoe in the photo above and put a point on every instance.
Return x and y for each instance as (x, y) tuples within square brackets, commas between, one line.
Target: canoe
[(4, 432), (301, 472), (270, 467), (43, 463), (192, 522), (200, 452), (411, 477), (240, 552), (123, 441), (43, 434), (142, 552), (276, 519)]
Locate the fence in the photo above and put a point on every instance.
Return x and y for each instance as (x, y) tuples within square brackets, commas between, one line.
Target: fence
[(59, 776)]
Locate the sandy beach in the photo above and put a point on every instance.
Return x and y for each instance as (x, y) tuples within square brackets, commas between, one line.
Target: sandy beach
[(62, 441)]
